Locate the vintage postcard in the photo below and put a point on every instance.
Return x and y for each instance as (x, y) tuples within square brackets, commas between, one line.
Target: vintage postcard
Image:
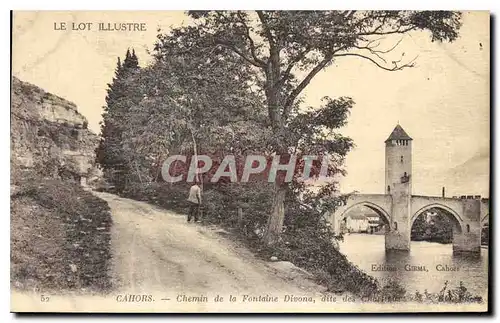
[(250, 161)]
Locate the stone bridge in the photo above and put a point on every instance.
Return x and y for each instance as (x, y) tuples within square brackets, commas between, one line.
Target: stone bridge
[(398, 208), (467, 215)]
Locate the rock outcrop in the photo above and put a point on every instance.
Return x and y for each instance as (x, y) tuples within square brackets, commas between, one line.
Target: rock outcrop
[(49, 135)]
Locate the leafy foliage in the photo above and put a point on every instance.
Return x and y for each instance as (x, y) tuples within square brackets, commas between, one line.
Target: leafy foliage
[(439, 228)]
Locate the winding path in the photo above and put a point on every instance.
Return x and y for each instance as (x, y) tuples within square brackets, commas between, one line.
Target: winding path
[(155, 250)]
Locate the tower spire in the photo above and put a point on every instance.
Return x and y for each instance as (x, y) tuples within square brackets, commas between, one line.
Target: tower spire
[(398, 134)]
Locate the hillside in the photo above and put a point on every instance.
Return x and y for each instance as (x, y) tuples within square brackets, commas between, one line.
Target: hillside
[(475, 172), (59, 231)]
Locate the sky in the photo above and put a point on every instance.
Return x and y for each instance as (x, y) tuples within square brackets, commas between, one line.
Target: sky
[(442, 103)]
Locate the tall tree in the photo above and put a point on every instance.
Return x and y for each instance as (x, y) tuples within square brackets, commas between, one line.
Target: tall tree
[(280, 45), (109, 153), (287, 49)]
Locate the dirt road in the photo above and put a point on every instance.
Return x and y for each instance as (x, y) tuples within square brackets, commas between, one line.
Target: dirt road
[(158, 251)]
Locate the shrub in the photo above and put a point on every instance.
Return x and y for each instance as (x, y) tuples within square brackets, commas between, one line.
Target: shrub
[(308, 242), (392, 291), (166, 195)]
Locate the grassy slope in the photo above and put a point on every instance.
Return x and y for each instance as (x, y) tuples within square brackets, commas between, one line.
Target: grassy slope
[(59, 237)]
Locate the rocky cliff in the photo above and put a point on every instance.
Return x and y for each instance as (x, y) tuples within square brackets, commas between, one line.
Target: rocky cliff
[(59, 230), (49, 135)]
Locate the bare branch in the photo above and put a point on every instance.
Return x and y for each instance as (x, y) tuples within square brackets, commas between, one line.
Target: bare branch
[(292, 63), (374, 40), (302, 85), (392, 48), (237, 51), (391, 69), (377, 52), (372, 51), (252, 43), (390, 32), (263, 20)]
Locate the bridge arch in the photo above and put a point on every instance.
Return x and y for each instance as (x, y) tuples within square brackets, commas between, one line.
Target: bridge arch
[(458, 219), (373, 206)]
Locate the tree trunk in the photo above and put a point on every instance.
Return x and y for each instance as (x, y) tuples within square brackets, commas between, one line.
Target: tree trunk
[(275, 221), (274, 101)]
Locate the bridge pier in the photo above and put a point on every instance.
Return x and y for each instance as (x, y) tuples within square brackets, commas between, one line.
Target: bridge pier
[(469, 240), (397, 240), (398, 237)]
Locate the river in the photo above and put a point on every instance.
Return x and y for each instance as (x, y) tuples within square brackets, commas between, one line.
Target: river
[(368, 253)]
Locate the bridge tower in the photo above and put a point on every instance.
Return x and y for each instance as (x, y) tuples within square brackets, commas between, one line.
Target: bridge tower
[(398, 184), (399, 209)]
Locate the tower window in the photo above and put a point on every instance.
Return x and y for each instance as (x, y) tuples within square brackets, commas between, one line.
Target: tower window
[(467, 228), (388, 189), (395, 226), (405, 178), (401, 158)]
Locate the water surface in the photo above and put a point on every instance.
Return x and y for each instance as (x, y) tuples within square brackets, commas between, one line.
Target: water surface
[(424, 267)]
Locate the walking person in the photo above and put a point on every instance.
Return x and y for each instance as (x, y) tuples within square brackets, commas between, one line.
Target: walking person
[(194, 200)]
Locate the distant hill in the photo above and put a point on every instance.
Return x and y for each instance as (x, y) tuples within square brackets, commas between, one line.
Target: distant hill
[(473, 173)]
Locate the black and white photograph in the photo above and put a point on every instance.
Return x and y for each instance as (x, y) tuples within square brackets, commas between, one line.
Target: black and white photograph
[(232, 161)]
